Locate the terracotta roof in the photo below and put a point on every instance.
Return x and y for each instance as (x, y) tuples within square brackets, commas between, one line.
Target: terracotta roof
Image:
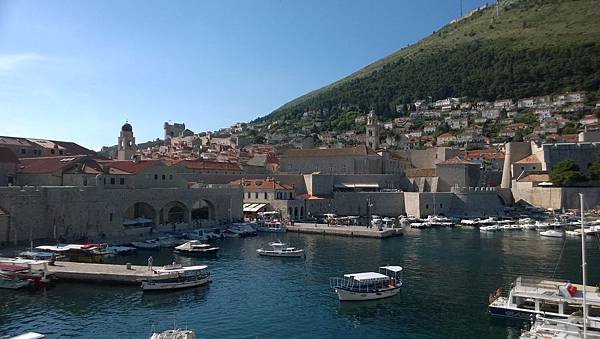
[(128, 166), (7, 156), (420, 172), (457, 161), (206, 165), (532, 159), (487, 154), (328, 152), (265, 184), (44, 165), (307, 196), (535, 177)]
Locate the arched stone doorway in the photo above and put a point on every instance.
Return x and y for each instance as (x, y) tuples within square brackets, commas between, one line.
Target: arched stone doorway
[(139, 214), (203, 210), (175, 212)]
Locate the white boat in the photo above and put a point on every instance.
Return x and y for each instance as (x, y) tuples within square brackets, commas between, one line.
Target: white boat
[(29, 335), (524, 221), (176, 277), (490, 228), (271, 227), (244, 229), (572, 233), (368, 285), (552, 234), (152, 244), (197, 249), (541, 225), (571, 328), (279, 249), (488, 221), (174, 334), (12, 282), (470, 222), (528, 226)]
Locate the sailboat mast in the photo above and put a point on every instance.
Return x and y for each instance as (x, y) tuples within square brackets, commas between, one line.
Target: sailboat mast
[(583, 264)]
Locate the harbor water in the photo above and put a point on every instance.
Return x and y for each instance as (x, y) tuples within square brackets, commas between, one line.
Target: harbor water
[(448, 275)]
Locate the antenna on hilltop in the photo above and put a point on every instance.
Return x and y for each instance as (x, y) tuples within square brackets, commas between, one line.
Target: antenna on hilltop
[(497, 8), (461, 8)]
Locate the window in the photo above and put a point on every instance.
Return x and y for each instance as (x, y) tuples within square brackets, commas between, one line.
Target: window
[(112, 181), (11, 180), (104, 180), (265, 195), (110, 217), (84, 181), (426, 206), (533, 167), (52, 151), (60, 152), (441, 206), (255, 195), (290, 195), (248, 195), (156, 177), (170, 176), (122, 181), (23, 151), (164, 177)]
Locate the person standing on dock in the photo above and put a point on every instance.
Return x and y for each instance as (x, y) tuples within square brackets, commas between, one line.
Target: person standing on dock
[(150, 261)]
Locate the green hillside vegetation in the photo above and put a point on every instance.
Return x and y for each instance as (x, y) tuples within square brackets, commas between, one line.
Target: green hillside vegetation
[(534, 47)]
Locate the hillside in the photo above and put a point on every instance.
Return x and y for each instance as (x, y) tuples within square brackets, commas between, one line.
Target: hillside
[(534, 47)]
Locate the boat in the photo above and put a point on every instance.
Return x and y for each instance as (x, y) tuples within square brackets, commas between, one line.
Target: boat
[(438, 221), (29, 335), (169, 241), (174, 334), (273, 226), (152, 244), (541, 225), (197, 249), (488, 221), (579, 324), (39, 255), (90, 253), (279, 249), (231, 233), (470, 222), (244, 229), (175, 276), (490, 228), (552, 234), (527, 226), (35, 271), (9, 281), (368, 285)]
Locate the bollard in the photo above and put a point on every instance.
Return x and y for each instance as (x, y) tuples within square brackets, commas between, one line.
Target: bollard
[(128, 265)]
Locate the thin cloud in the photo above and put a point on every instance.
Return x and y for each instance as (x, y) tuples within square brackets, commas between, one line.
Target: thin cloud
[(9, 62)]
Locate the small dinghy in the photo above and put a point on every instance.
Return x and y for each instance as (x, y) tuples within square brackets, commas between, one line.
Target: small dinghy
[(280, 249)]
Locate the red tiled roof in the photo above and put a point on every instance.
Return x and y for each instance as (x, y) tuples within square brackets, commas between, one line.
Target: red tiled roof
[(535, 177), (487, 154), (268, 184), (457, 161), (44, 165), (206, 165), (7, 156), (532, 159), (128, 166), (328, 152)]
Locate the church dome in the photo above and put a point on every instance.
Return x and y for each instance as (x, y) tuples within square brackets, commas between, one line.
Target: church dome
[(126, 127)]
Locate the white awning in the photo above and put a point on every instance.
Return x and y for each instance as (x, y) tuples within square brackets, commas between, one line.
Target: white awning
[(392, 268), (366, 276), (253, 207), (364, 185)]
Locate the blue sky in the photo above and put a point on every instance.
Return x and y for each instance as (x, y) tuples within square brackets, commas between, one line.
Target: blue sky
[(76, 70)]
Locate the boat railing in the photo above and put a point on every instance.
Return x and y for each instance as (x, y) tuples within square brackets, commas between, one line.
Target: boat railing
[(355, 286)]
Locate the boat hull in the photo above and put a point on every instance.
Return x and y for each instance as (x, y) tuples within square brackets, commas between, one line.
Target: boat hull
[(206, 253), (295, 254), (348, 295), (165, 286)]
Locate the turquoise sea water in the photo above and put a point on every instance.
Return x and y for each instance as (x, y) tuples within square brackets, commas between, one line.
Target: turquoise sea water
[(448, 276)]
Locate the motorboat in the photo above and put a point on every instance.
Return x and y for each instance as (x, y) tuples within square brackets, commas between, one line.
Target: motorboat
[(175, 276), (280, 249), (487, 221), (197, 249), (368, 285), (29, 335), (39, 255), (470, 222), (273, 226), (244, 229), (438, 221), (552, 234), (531, 295), (91, 253), (571, 328), (541, 225), (169, 241), (174, 334), (490, 228), (35, 271), (527, 226), (10, 281), (152, 244)]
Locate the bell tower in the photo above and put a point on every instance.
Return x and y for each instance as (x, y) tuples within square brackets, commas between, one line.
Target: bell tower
[(126, 143), (372, 137)]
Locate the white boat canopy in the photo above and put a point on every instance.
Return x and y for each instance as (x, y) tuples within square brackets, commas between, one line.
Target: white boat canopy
[(366, 276), (182, 269), (253, 207), (392, 268)]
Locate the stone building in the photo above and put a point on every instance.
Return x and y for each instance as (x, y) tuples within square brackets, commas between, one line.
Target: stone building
[(8, 167), (372, 131), (271, 195), (173, 130), (126, 143), (350, 160), (30, 147)]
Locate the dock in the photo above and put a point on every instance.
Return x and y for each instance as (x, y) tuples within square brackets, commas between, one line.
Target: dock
[(345, 231), (100, 273)]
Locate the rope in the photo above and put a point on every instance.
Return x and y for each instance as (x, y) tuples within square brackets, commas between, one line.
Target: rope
[(559, 257)]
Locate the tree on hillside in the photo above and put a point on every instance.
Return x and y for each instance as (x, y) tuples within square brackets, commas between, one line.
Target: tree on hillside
[(595, 168), (566, 173)]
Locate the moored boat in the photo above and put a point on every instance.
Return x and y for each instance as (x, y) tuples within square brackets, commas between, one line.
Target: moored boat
[(197, 249), (174, 334), (175, 276), (279, 249), (552, 234), (368, 285)]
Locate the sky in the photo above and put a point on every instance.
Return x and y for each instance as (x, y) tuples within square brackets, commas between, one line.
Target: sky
[(77, 70)]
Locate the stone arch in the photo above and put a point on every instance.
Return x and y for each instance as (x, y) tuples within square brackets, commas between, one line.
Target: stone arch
[(301, 212), (203, 210), (295, 213), (137, 212), (290, 212), (175, 212)]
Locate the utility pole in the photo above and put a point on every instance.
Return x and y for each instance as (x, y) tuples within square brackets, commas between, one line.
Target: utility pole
[(497, 8), (461, 8)]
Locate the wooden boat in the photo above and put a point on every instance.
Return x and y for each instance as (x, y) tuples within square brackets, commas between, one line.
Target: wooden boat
[(279, 249), (173, 277), (197, 249), (368, 285)]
